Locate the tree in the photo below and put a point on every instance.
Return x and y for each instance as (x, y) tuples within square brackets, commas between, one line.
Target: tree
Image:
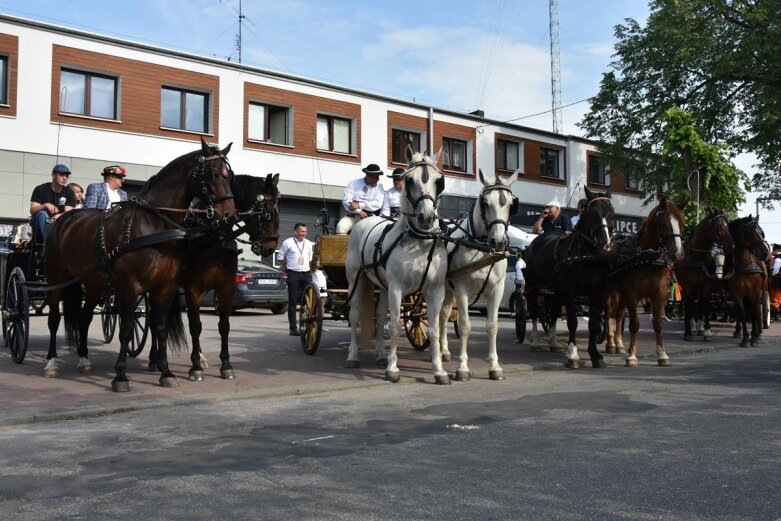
[(717, 60)]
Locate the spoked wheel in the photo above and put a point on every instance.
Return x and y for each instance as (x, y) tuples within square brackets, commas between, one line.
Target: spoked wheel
[(520, 317), (310, 318), (108, 318), (416, 327), (140, 326), (16, 315)]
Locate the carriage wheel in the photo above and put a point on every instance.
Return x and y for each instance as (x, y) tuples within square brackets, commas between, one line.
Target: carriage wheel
[(310, 318), (416, 327), (108, 318), (16, 315), (140, 326), (520, 318)]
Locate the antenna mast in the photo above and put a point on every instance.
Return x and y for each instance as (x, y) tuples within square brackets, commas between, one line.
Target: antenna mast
[(238, 38), (555, 65)]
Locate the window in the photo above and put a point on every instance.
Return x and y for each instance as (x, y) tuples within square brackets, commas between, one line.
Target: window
[(454, 154), (508, 155), (632, 182), (184, 109), (4, 80), (88, 94), (549, 163), (402, 139), (598, 172), (269, 123), (334, 134)]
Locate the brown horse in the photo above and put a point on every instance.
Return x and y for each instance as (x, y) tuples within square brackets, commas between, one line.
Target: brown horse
[(644, 272), (138, 248), (696, 273), (747, 279)]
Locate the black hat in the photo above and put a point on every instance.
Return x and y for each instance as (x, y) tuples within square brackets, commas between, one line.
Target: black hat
[(373, 169), (397, 172)]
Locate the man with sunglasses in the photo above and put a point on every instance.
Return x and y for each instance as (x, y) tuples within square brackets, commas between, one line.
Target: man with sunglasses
[(50, 200)]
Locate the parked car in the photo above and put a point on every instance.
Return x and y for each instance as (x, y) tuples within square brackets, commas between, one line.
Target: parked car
[(258, 285)]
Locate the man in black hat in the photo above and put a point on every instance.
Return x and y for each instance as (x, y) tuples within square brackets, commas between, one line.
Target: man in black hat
[(103, 195), (362, 197), (50, 200), (392, 204)]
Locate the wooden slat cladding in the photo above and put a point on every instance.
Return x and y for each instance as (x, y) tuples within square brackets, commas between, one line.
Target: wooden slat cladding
[(304, 109), (9, 46), (138, 91), (531, 161)]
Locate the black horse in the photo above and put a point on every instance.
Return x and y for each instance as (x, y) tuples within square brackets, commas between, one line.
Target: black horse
[(136, 247), (212, 265), (575, 264), (747, 276)]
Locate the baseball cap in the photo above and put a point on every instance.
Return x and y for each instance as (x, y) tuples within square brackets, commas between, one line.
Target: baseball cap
[(61, 169)]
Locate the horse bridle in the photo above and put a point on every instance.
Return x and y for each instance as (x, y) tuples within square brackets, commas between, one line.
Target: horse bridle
[(204, 175), (708, 221), (502, 201), (424, 195), (604, 225), (664, 237)]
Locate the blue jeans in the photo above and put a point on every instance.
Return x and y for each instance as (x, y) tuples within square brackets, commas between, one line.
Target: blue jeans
[(38, 224)]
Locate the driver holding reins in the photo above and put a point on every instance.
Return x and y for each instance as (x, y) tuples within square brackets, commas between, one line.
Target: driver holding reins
[(362, 197)]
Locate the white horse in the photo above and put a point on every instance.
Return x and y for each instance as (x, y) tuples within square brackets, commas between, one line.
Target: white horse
[(400, 259), (473, 270)]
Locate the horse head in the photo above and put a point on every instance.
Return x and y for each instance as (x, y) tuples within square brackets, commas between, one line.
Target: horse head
[(596, 222), (497, 204), (423, 185), (263, 230), (663, 228)]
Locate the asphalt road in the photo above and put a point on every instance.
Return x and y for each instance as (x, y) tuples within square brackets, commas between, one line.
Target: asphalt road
[(696, 441)]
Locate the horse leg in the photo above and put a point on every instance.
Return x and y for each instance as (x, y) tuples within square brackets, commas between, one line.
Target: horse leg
[(394, 307), (573, 358), (53, 300), (610, 312), (554, 310), (688, 312), (621, 314), (595, 306), (358, 301), (465, 328), (380, 358), (225, 290), (195, 374), (162, 300), (126, 300), (634, 327), (756, 322), (740, 318), (705, 308), (435, 294), (658, 322), (85, 366), (492, 327), (153, 354), (444, 315)]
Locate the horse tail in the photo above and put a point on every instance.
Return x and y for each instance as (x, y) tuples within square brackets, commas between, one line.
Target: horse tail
[(177, 340), (71, 312)]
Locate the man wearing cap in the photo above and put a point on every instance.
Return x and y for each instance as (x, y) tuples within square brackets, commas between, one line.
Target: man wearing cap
[(552, 219), (391, 206), (50, 200), (103, 195), (362, 197)]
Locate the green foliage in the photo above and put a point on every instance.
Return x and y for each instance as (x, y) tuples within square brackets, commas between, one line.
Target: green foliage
[(719, 61)]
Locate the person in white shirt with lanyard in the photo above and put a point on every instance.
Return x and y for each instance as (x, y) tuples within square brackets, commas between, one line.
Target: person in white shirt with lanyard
[(295, 257), (362, 197), (392, 203)]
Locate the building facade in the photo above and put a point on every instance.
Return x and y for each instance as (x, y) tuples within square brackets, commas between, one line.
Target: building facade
[(87, 101)]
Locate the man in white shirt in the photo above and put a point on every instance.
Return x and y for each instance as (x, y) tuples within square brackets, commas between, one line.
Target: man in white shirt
[(362, 197), (391, 206), (295, 256), (775, 282)]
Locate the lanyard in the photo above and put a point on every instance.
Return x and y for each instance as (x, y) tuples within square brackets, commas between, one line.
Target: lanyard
[(302, 247)]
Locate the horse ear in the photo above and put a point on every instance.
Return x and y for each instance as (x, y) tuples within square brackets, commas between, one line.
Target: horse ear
[(227, 149), (589, 194), (662, 200), (609, 192), (275, 179), (205, 148), (435, 158), (511, 179), (481, 177)]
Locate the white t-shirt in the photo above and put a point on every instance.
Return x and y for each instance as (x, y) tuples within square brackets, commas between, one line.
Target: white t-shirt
[(369, 197), (297, 255), (392, 200), (113, 195), (518, 273)]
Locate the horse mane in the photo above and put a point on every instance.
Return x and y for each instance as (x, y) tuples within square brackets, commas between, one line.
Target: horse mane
[(245, 190), (174, 165)]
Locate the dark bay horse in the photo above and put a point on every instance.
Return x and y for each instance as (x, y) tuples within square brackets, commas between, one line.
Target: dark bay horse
[(696, 272), (573, 265), (747, 277), (138, 247), (643, 270), (213, 265)]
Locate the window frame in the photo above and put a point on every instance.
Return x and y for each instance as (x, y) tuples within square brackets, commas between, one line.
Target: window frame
[(501, 159), (629, 184), (87, 100), (402, 150), (447, 152), (183, 92), (267, 122), (598, 170), (331, 118), (5, 80), (543, 164)]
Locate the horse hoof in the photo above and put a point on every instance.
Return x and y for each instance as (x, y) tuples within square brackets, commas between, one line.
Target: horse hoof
[(688, 338), (572, 364), (664, 362), (353, 364), (446, 358), (227, 374), (442, 379), (598, 364), (496, 374), (610, 349), (120, 386), (85, 369), (463, 376), (195, 375), (743, 343), (631, 363), (620, 351), (382, 362), (754, 342), (392, 376), (168, 381), (51, 373)]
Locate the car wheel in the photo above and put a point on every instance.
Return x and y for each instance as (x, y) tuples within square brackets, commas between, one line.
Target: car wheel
[(278, 309)]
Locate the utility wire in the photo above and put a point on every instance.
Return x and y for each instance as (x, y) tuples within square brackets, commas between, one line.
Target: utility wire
[(535, 114)]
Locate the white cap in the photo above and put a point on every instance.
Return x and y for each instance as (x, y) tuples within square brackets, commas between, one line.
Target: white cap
[(554, 203)]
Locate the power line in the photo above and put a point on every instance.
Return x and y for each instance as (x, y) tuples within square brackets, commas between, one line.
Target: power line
[(535, 114)]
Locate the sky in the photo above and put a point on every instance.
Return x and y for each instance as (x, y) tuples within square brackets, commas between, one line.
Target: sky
[(461, 55)]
